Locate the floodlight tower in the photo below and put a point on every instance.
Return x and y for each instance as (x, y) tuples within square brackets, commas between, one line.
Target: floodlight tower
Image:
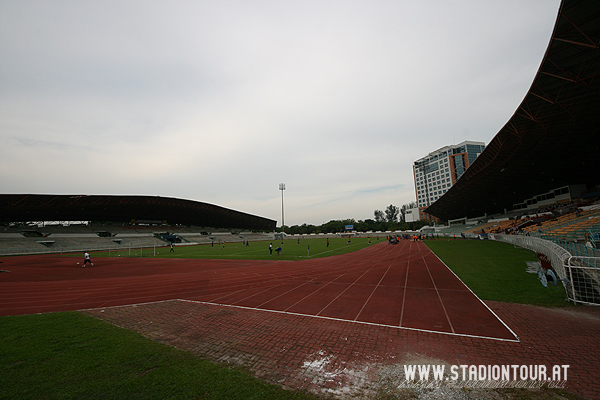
[(282, 188)]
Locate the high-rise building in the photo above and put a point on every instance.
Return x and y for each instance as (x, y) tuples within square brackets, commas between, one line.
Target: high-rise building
[(435, 173)]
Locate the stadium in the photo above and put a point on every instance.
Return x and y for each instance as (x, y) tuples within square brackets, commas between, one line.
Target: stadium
[(331, 316)]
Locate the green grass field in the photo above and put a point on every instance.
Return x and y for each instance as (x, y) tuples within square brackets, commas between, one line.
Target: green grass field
[(73, 356), (496, 271), (292, 249)]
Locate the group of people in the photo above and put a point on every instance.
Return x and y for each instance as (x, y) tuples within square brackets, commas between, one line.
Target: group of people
[(415, 238)]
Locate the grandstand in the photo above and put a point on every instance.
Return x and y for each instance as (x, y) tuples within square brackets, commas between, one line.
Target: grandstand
[(121, 222), (573, 226), (21, 240), (455, 229)]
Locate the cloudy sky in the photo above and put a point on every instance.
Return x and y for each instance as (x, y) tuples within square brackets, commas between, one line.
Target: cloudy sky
[(219, 101)]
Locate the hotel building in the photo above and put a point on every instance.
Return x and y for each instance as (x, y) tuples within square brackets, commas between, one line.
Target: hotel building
[(435, 173)]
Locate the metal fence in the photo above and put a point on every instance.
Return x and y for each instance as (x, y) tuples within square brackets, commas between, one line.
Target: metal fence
[(583, 275), (30, 251), (579, 274)]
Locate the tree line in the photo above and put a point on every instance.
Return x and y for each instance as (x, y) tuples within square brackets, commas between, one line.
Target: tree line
[(391, 219)]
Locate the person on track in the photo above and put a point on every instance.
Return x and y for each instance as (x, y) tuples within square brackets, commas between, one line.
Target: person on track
[(87, 259)]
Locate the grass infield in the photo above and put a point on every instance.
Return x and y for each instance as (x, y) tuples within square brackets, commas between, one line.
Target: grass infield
[(71, 355), (291, 249), (497, 271)]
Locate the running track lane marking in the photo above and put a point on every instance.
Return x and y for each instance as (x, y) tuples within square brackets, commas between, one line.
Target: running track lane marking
[(312, 293), (329, 318), (376, 286), (517, 339), (261, 292), (405, 287), (284, 293), (309, 316), (438, 294), (343, 291)]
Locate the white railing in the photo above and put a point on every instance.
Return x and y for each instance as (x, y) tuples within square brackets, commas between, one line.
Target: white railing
[(580, 275), (583, 275)]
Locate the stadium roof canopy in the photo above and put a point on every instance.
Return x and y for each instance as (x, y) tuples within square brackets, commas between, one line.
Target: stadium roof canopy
[(552, 139), (124, 209)]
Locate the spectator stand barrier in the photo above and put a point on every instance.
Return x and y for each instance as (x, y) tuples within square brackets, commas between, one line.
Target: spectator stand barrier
[(580, 274)]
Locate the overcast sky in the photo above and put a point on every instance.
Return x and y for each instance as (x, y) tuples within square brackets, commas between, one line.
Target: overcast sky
[(220, 101)]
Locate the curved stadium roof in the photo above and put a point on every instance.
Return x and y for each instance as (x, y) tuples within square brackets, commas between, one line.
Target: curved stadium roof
[(552, 139), (123, 209)]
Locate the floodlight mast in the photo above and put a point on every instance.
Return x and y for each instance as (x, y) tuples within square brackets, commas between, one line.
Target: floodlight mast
[(282, 188)]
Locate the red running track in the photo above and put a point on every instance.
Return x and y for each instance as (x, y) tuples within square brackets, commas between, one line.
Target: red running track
[(403, 286)]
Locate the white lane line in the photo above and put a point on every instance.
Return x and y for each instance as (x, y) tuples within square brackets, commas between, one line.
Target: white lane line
[(349, 321), (438, 295)]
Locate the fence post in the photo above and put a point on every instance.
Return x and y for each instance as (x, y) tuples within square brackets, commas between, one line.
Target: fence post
[(572, 283)]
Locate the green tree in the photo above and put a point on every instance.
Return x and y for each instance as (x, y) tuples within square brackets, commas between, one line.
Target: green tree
[(391, 213), (379, 216), (369, 225), (332, 226)]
